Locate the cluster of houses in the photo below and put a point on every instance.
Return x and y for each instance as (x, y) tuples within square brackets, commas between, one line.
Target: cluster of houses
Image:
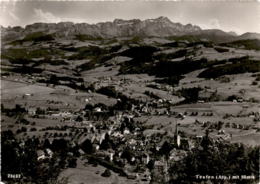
[(122, 130), (44, 154), (126, 137)]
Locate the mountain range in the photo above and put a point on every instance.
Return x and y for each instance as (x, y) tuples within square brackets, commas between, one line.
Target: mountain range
[(158, 27)]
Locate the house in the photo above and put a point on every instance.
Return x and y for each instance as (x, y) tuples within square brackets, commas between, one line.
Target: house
[(126, 131), (96, 146), (40, 155), (157, 148), (146, 176), (181, 116), (221, 132), (32, 111), (131, 176), (251, 116), (245, 106), (145, 110), (184, 144), (160, 101), (81, 152), (240, 100), (83, 139), (177, 155), (206, 94), (159, 166), (73, 144), (109, 132), (132, 142), (199, 137), (198, 122), (132, 159), (117, 134), (49, 153), (98, 109), (63, 114), (145, 158), (111, 156), (101, 138)]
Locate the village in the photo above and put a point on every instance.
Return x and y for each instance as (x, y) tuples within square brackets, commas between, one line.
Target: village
[(118, 136)]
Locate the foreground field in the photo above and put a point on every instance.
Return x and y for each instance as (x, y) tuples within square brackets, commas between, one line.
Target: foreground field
[(87, 174)]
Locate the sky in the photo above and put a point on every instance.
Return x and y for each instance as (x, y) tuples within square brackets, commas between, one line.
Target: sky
[(237, 16)]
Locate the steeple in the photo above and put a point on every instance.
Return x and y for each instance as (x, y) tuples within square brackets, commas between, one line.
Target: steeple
[(177, 138)]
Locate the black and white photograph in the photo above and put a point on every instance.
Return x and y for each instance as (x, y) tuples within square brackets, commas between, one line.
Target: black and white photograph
[(130, 92)]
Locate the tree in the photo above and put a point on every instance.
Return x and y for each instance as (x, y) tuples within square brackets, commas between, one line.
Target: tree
[(165, 149), (9, 156), (220, 125), (18, 108), (106, 143), (87, 146), (127, 154), (2, 107), (106, 173), (79, 119), (206, 140), (46, 143), (39, 111), (60, 145), (72, 163), (150, 165)]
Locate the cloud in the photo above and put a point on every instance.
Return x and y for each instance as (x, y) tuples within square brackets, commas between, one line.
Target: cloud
[(13, 16), (48, 17), (74, 20), (210, 24), (8, 14), (258, 17), (214, 23)]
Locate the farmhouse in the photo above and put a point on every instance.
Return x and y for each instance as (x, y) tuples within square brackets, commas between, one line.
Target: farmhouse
[(49, 153), (40, 155), (32, 111)]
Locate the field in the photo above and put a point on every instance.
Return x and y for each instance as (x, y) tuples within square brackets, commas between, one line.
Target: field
[(88, 174)]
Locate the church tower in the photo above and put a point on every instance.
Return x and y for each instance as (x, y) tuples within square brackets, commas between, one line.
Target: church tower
[(177, 138)]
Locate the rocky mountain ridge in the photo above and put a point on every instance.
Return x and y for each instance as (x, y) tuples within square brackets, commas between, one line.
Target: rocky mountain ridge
[(158, 27)]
